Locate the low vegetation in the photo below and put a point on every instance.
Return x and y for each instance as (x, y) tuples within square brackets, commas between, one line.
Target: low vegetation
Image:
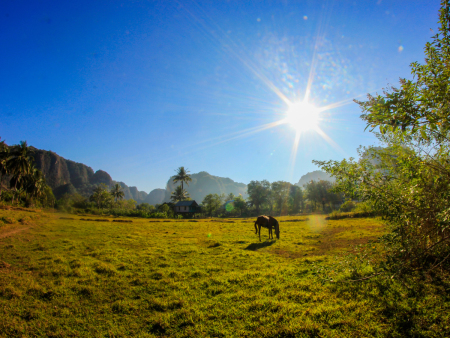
[(69, 275)]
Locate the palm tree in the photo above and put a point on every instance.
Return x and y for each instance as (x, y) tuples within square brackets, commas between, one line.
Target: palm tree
[(117, 192), (100, 195), (34, 182), (4, 155), (182, 176), (179, 195), (19, 163)]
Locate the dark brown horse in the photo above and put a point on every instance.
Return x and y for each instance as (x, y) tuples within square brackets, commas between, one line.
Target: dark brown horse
[(267, 222)]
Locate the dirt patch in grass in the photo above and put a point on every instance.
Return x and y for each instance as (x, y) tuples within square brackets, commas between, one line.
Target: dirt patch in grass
[(295, 220), (4, 265), (12, 232), (7, 207), (289, 254)]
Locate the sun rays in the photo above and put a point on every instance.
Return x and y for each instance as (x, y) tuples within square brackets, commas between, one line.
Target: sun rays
[(296, 107)]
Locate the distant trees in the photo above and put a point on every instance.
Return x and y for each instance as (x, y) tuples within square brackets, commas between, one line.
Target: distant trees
[(146, 207), (229, 197), (26, 182), (4, 155), (296, 199), (182, 176), (321, 192), (117, 192), (179, 195), (280, 191), (283, 198), (258, 193), (19, 165), (101, 196), (211, 204), (240, 204)]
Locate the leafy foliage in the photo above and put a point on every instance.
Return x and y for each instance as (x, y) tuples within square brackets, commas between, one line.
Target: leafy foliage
[(321, 192), (408, 181), (117, 192), (258, 192), (179, 195), (27, 184), (211, 204), (101, 196), (182, 176)]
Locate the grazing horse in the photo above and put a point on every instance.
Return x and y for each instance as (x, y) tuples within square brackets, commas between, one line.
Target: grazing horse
[(267, 222)]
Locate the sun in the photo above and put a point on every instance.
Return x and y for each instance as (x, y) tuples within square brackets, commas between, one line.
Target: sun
[(302, 116)]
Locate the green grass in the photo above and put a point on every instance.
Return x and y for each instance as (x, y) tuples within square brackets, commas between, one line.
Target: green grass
[(211, 278)]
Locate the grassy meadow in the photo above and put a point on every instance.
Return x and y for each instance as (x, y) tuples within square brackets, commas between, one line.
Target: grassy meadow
[(91, 276)]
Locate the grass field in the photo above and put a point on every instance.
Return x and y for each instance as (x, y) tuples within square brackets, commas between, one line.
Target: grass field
[(211, 278)]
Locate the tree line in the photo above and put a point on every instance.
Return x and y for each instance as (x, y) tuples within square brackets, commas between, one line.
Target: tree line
[(23, 183), (20, 181), (277, 198)]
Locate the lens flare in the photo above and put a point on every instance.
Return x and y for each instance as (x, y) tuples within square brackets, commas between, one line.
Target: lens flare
[(302, 116)]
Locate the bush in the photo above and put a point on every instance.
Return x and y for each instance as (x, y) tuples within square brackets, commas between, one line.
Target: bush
[(364, 207), (347, 206)]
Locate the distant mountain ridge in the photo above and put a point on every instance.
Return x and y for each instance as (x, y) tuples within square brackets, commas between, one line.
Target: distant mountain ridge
[(203, 184), (66, 176), (315, 176)]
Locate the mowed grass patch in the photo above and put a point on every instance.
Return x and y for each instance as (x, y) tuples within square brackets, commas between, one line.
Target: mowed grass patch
[(68, 277)]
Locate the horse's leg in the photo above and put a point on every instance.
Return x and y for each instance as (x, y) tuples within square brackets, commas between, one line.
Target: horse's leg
[(256, 229), (259, 231)]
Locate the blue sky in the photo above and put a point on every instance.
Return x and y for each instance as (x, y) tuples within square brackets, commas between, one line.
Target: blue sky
[(139, 88)]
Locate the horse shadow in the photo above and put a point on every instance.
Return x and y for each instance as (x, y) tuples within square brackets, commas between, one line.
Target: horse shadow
[(257, 246)]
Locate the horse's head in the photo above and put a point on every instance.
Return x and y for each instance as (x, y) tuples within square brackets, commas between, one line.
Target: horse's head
[(277, 229)]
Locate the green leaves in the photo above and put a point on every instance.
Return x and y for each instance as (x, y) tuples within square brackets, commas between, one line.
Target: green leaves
[(408, 180), (179, 195), (420, 107)]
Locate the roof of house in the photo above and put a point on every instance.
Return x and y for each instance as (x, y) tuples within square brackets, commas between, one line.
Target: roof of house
[(186, 203)]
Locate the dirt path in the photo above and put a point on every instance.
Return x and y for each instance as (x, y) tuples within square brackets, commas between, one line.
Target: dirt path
[(12, 232)]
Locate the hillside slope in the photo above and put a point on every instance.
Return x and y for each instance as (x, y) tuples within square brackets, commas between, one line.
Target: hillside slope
[(314, 176)]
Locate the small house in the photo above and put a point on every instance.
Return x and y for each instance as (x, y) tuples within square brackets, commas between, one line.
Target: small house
[(188, 207)]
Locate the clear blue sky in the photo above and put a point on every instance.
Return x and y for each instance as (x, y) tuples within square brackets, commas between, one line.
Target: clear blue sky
[(139, 88)]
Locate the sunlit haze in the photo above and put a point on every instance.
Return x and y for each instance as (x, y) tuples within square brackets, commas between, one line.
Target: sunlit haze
[(249, 90), (302, 116)]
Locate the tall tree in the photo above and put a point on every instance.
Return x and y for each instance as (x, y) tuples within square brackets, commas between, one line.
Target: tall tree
[(19, 163), (117, 192), (240, 204), (182, 176), (179, 195), (230, 197), (296, 197), (409, 182), (312, 192), (34, 184), (280, 191), (211, 204), (101, 196), (258, 192), (4, 156)]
